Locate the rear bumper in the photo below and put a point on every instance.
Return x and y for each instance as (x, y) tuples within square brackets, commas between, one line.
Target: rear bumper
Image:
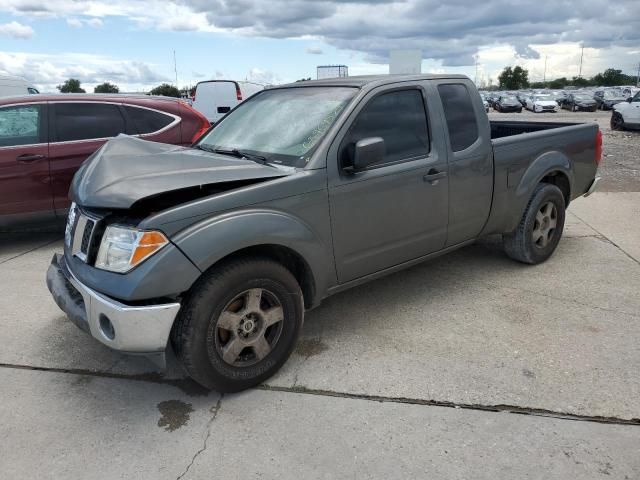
[(132, 329), (592, 187)]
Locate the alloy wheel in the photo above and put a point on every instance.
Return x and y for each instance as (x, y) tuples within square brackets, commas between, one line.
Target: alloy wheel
[(545, 225)]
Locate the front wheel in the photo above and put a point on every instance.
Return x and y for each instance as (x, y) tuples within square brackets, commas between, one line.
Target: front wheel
[(538, 233), (239, 324)]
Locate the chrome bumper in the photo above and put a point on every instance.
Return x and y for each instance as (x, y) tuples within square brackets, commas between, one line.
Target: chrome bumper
[(593, 186), (131, 329)]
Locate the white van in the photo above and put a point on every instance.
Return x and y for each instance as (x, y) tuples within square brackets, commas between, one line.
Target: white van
[(215, 98), (10, 86)]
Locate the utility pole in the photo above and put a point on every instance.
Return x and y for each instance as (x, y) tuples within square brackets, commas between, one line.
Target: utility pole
[(544, 75), (638, 77), (581, 56), (476, 79), (175, 67)]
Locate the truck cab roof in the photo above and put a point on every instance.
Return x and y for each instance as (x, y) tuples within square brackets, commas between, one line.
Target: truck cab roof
[(370, 80)]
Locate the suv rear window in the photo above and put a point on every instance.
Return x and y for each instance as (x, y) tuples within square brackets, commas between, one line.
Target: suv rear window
[(20, 125), (147, 121), (83, 121), (460, 115)]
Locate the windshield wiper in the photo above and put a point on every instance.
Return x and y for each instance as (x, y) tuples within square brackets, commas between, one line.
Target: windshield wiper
[(205, 148), (234, 152)]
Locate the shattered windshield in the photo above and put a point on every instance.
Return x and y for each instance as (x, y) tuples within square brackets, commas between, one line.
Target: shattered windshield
[(281, 125)]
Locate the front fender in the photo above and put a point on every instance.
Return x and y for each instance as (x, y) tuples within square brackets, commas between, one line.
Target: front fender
[(542, 166), (207, 242)]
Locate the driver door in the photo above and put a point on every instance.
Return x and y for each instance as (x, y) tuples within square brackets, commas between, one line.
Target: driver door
[(394, 211)]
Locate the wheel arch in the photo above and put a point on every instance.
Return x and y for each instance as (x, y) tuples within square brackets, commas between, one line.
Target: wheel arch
[(267, 233)]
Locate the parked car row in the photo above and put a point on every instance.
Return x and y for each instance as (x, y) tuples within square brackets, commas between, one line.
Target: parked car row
[(583, 100)]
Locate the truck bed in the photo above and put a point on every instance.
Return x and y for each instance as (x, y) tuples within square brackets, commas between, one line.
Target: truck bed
[(500, 129)]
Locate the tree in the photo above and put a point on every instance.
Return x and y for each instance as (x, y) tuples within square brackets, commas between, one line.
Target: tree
[(514, 78), (71, 86), (304, 79), (166, 90), (609, 78), (106, 87)]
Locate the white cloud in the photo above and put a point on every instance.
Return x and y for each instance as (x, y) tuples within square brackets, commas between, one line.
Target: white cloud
[(74, 22), (46, 71), (94, 22), (264, 77), (314, 50), (16, 30)]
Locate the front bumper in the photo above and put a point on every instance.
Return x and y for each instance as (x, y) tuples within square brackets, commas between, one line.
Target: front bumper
[(132, 329)]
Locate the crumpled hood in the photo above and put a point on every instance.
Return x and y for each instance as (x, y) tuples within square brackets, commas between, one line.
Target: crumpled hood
[(127, 169)]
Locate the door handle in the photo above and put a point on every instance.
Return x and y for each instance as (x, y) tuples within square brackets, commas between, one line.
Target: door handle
[(433, 176), (29, 157)]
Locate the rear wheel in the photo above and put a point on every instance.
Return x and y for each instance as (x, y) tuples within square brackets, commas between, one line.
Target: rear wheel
[(617, 121), (539, 231), (239, 324)]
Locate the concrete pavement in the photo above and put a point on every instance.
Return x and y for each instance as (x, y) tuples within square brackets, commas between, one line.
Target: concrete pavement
[(471, 329)]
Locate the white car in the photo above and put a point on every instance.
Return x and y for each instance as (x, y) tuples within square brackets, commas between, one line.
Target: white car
[(11, 86), (626, 114), (541, 103), (215, 98)]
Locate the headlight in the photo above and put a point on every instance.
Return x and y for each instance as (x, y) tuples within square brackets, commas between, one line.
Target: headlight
[(123, 248)]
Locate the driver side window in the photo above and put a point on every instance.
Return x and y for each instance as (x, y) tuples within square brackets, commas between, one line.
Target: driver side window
[(399, 118)]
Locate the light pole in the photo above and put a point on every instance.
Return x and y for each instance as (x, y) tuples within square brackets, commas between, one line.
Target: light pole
[(544, 75), (581, 56)]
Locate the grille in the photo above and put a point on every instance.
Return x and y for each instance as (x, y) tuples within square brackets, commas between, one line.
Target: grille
[(86, 236)]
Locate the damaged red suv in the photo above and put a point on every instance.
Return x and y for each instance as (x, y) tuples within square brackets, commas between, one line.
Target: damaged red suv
[(45, 138)]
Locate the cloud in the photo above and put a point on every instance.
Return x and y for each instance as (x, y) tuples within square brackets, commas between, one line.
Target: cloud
[(47, 71), (16, 30), (314, 50), (264, 77), (449, 33), (74, 22), (94, 22)]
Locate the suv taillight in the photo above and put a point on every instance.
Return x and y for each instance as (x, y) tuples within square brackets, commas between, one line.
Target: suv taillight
[(238, 93), (204, 123), (598, 155)]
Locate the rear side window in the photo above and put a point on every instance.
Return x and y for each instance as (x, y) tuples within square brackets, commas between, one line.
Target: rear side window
[(20, 125), (460, 115), (147, 121), (399, 118), (83, 121)]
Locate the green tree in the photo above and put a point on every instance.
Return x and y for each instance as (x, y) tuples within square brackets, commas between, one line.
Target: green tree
[(558, 83), (610, 77), (165, 90), (71, 86), (514, 78), (106, 87)]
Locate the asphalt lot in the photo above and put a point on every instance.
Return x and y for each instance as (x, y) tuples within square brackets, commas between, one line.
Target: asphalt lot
[(470, 366)]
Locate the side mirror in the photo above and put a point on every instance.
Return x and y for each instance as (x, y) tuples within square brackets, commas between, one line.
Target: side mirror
[(629, 99), (368, 151)]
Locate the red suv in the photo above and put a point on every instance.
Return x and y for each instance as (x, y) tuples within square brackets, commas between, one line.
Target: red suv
[(45, 138)]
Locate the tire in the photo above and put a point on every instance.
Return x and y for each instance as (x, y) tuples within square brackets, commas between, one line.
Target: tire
[(617, 121), (202, 337), (524, 244)]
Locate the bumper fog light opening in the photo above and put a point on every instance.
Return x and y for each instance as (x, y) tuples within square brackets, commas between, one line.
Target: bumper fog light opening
[(106, 327)]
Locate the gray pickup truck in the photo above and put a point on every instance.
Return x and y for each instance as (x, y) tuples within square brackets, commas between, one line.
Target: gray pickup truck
[(300, 192)]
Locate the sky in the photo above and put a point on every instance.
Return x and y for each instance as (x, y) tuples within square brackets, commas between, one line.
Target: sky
[(132, 42)]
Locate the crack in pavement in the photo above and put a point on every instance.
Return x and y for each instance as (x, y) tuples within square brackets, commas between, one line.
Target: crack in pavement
[(537, 412), (500, 408), (214, 410), (29, 251), (608, 239), (493, 285)]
